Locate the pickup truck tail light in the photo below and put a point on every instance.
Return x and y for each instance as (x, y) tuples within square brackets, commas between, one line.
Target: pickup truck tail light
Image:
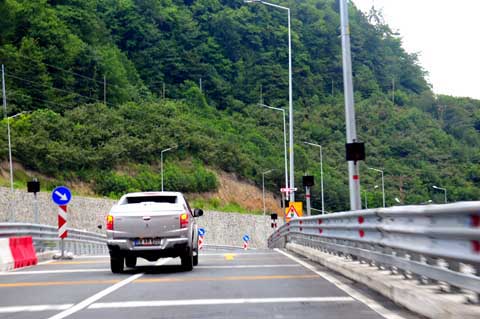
[(109, 222), (184, 220)]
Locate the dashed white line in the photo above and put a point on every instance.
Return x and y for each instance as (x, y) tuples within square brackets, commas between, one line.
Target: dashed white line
[(87, 302), (205, 302), (62, 271), (372, 304), (34, 308)]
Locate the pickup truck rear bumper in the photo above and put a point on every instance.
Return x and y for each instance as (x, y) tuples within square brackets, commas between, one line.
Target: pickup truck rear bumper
[(169, 247), (127, 244)]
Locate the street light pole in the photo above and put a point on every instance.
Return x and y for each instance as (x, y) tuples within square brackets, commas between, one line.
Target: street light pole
[(161, 160), (290, 90), (383, 182), (353, 166), (263, 189), (4, 95), (442, 189), (284, 137), (321, 172)]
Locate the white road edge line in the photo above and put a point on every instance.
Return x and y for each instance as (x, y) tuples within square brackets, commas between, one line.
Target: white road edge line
[(34, 308), (203, 302), (87, 302), (63, 271), (372, 304)]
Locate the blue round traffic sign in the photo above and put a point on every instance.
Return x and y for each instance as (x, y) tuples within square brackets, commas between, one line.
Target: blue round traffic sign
[(61, 195), (201, 232), (246, 237)]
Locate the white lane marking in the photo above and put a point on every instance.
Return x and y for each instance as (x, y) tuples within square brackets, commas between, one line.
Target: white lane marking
[(203, 302), (62, 271), (233, 253), (372, 304), (87, 302), (34, 308), (249, 266)]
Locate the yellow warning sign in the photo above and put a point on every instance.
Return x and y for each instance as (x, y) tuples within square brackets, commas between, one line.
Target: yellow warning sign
[(294, 210)]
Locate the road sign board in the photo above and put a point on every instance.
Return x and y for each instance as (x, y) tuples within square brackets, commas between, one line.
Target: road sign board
[(288, 190), (61, 195), (201, 232), (246, 237), (294, 210), (62, 221)]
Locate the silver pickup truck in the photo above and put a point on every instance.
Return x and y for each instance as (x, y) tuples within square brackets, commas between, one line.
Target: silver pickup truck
[(152, 225)]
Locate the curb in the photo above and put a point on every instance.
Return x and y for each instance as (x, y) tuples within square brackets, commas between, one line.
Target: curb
[(421, 299)]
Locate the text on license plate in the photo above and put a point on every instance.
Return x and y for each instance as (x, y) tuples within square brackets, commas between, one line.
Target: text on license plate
[(147, 242)]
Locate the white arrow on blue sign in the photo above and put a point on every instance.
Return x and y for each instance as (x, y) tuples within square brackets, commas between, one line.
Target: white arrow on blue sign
[(246, 237), (201, 232), (61, 195)]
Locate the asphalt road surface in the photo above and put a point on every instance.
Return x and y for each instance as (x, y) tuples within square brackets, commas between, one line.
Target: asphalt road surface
[(226, 284)]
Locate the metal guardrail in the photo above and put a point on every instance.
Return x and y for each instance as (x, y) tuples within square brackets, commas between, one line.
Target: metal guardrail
[(45, 238), (433, 244)]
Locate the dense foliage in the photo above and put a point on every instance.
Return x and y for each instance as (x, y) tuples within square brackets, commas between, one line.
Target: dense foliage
[(57, 54)]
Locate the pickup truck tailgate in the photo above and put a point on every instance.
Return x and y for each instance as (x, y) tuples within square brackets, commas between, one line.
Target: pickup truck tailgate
[(146, 220)]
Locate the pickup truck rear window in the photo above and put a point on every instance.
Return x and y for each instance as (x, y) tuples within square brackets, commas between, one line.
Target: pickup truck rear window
[(150, 199)]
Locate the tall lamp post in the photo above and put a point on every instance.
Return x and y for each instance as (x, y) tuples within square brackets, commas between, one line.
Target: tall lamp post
[(284, 137), (321, 172), (161, 160), (353, 166), (441, 189), (383, 183), (290, 99), (263, 189)]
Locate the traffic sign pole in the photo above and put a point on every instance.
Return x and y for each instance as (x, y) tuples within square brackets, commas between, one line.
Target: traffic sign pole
[(62, 228)]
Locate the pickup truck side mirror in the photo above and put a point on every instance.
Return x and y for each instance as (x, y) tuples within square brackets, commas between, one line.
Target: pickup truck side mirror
[(197, 212)]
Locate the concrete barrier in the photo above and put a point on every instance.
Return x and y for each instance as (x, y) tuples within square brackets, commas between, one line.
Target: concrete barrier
[(6, 258)]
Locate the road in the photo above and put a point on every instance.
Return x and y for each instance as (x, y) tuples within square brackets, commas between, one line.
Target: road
[(226, 284)]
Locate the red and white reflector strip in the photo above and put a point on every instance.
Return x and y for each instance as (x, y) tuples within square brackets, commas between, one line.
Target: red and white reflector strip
[(245, 245), (62, 221), (200, 242)]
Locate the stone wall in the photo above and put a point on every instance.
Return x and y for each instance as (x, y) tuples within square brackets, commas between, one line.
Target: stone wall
[(86, 213)]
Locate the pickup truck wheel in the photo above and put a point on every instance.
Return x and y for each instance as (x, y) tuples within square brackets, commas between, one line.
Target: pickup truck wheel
[(195, 258), (131, 262), (116, 264), (187, 260)]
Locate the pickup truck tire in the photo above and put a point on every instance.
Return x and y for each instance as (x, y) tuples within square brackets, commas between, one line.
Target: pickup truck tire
[(131, 262), (116, 264), (187, 260), (195, 258)]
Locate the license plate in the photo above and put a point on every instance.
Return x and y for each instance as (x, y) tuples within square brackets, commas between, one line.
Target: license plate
[(147, 242)]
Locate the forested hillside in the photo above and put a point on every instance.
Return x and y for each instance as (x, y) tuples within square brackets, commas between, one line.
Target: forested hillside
[(108, 84)]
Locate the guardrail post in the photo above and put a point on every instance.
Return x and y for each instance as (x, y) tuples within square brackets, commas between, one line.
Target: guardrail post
[(433, 262), (417, 258), (454, 266), (477, 273)]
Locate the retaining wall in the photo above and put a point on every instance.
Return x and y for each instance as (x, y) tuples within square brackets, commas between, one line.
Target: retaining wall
[(86, 213)]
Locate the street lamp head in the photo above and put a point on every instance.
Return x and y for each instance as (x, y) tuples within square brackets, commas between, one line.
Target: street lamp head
[(436, 187)]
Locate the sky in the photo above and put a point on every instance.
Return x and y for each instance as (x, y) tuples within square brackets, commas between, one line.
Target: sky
[(445, 34)]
